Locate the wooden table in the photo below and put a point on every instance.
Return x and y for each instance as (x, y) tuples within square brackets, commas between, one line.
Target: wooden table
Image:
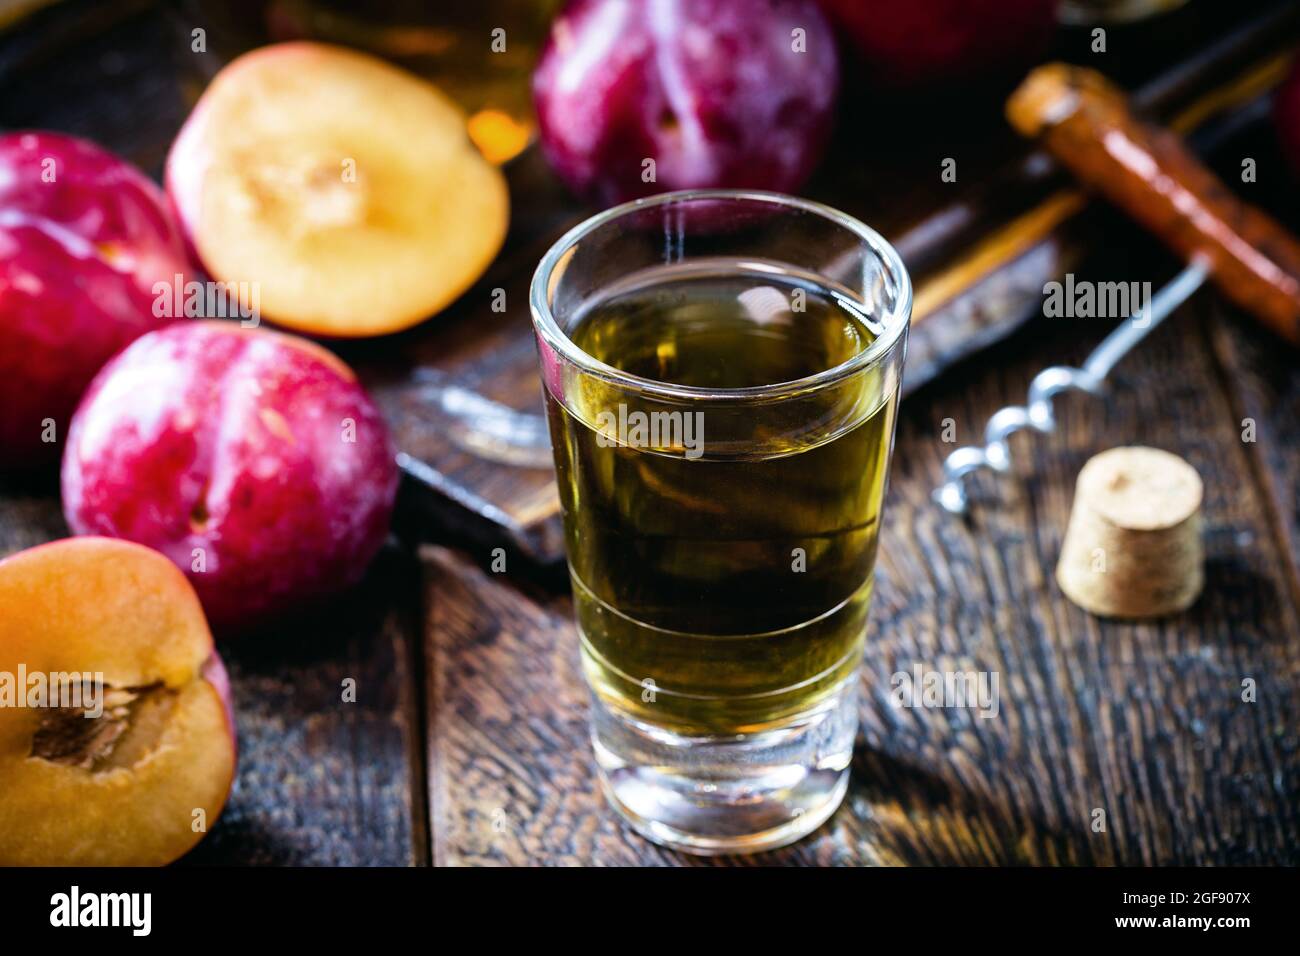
[(467, 742)]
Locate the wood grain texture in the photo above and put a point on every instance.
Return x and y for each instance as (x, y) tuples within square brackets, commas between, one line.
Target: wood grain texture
[(1145, 722), (511, 778), (1266, 389), (323, 781), (29, 512)]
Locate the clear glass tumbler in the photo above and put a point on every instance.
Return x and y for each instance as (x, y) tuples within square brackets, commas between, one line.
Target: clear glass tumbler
[(721, 373)]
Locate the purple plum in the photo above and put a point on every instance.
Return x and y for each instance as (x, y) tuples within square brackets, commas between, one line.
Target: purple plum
[(637, 97), (84, 236), (254, 460), (1286, 116), (938, 43)]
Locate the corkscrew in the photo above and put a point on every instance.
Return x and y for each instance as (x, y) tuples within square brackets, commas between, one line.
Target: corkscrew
[(995, 453), (1085, 123)]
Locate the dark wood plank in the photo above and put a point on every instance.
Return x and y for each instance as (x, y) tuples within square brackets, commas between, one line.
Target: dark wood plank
[(323, 782), (1143, 721), (29, 512), (1264, 378), (511, 781), (1260, 373)]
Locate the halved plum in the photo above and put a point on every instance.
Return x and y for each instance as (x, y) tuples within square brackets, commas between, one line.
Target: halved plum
[(142, 782), (347, 189)]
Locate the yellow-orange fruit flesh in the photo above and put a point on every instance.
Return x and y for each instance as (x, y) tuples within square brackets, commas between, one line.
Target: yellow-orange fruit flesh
[(142, 784), (344, 190)]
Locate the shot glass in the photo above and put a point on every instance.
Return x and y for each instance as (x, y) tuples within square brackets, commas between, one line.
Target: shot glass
[(721, 373)]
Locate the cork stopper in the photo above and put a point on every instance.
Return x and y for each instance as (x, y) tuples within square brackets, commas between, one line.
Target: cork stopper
[(1133, 546)]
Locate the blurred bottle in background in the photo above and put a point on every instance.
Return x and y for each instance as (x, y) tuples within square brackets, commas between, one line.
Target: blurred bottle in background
[(479, 52)]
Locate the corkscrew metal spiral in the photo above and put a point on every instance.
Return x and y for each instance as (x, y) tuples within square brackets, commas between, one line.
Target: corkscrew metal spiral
[(1037, 414)]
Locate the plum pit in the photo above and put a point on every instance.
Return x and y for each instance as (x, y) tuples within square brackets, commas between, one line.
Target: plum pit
[(129, 728)]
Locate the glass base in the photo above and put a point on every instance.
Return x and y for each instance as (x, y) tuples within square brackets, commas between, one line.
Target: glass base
[(734, 794)]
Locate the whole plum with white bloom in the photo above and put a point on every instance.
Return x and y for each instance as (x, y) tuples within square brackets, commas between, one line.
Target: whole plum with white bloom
[(85, 238), (642, 96), (254, 460)]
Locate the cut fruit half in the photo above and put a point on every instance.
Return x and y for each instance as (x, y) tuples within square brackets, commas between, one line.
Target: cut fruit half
[(345, 191), (130, 772)]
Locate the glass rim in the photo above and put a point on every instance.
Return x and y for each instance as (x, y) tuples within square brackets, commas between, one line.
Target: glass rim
[(894, 323)]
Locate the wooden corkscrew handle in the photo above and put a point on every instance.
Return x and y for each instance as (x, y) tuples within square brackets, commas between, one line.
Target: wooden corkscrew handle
[(1084, 121)]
